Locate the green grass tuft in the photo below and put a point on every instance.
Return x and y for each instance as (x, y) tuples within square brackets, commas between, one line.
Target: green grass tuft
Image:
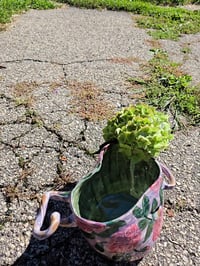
[(168, 89), (11, 7)]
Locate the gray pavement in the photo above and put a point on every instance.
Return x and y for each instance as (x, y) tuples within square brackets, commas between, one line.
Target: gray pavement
[(65, 72)]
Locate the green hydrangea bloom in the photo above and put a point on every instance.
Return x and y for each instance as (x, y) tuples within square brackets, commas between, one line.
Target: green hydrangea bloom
[(141, 131)]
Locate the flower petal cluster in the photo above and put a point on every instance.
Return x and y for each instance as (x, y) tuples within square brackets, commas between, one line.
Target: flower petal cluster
[(141, 131), (125, 240)]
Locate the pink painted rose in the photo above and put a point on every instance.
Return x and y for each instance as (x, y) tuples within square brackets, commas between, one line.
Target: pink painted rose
[(158, 225), (125, 240), (90, 227)]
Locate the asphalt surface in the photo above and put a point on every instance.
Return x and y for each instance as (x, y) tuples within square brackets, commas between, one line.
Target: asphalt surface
[(63, 72)]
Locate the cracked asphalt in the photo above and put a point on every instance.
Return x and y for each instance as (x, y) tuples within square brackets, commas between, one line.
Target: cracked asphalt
[(63, 72)]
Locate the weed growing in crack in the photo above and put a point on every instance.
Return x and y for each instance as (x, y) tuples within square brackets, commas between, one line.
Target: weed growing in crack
[(20, 190), (21, 162), (61, 181), (26, 102), (33, 118), (167, 88), (12, 192)]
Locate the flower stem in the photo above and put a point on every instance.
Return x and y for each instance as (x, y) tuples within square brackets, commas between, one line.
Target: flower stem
[(132, 170)]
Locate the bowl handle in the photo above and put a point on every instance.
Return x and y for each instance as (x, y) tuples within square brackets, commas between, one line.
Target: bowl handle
[(170, 177), (56, 220)]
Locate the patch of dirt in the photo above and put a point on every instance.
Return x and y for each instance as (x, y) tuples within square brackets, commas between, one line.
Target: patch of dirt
[(192, 7), (125, 60), (88, 101)]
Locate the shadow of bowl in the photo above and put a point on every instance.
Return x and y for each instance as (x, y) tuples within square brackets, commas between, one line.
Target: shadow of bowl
[(66, 247)]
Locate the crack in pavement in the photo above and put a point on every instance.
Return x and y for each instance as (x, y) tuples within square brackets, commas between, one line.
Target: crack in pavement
[(34, 117), (31, 119), (54, 62)]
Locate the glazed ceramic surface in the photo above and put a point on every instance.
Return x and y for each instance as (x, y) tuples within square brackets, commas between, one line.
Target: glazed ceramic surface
[(118, 206)]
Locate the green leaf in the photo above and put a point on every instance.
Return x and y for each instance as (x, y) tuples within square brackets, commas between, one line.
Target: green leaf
[(138, 212), (116, 224), (154, 205), (161, 197), (114, 227), (149, 230), (99, 246), (146, 206), (143, 224)]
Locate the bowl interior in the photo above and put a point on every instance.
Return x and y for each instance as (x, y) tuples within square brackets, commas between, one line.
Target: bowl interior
[(115, 189)]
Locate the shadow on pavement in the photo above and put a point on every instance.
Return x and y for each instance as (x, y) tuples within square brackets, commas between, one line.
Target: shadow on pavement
[(67, 247)]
